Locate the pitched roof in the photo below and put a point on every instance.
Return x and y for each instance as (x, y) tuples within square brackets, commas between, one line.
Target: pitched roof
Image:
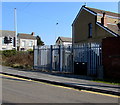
[(4, 33), (114, 28), (107, 29), (64, 39), (26, 36), (95, 12), (102, 11)]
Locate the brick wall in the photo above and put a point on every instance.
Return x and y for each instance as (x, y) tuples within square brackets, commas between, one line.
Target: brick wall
[(111, 57)]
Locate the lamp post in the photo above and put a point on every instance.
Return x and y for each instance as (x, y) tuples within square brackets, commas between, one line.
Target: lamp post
[(15, 27), (56, 32)]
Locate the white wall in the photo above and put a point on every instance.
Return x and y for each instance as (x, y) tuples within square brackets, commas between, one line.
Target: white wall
[(63, 43), (27, 43), (6, 46), (59, 42), (67, 43)]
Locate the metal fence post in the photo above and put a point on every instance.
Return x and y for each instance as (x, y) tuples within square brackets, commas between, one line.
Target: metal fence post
[(38, 56), (33, 57), (51, 57), (61, 55), (72, 55)]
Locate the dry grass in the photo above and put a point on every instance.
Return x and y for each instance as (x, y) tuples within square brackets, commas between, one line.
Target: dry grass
[(20, 60)]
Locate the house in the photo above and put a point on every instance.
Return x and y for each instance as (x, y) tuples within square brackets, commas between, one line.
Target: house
[(26, 41), (89, 29), (7, 40), (93, 25), (63, 41)]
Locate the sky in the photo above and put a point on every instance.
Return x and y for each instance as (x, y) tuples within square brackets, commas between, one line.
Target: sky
[(41, 17)]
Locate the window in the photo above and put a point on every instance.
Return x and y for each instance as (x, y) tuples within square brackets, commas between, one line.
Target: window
[(22, 49), (3, 41), (30, 44), (10, 40), (7, 40), (23, 43), (90, 30)]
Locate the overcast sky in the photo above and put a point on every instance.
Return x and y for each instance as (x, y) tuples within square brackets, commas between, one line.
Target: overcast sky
[(41, 17)]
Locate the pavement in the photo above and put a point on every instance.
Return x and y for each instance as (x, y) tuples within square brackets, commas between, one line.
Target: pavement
[(68, 80)]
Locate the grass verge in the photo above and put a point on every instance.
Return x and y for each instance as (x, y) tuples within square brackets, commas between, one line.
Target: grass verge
[(108, 81)]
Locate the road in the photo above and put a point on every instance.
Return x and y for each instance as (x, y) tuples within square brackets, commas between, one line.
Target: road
[(18, 90)]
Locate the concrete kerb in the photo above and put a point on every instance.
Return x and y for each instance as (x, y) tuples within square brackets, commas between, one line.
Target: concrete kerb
[(67, 85)]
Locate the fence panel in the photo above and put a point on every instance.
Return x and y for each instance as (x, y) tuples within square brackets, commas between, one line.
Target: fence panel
[(89, 53), (66, 55), (35, 57), (42, 57), (56, 58), (61, 58)]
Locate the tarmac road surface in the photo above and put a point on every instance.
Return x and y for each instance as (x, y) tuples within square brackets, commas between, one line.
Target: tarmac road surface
[(18, 90)]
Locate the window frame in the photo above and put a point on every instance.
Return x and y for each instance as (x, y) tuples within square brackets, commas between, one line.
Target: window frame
[(90, 30)]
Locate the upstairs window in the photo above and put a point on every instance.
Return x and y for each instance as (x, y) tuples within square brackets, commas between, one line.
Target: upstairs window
[(90, 30)]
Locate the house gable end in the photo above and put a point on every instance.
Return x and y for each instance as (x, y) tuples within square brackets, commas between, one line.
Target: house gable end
[(58, 39), (83, 8)]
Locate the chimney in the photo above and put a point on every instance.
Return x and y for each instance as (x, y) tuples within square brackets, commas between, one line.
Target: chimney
[(33, 33), (104, 20)]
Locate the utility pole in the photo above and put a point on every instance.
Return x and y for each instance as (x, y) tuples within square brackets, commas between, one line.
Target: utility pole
[(56, 32), (15, 27)]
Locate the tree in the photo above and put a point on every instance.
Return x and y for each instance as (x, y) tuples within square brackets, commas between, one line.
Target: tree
[(39, 41)]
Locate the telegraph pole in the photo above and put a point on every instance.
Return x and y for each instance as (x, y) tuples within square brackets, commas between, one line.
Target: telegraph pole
[(56, 32), (15, 27)]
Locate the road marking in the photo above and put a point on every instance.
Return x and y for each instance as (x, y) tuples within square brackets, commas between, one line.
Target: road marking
[(38, 82), (115, 96), (101, 93), (15, 77)]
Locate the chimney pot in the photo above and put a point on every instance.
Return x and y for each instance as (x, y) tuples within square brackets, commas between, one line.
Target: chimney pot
[(33, 33)]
